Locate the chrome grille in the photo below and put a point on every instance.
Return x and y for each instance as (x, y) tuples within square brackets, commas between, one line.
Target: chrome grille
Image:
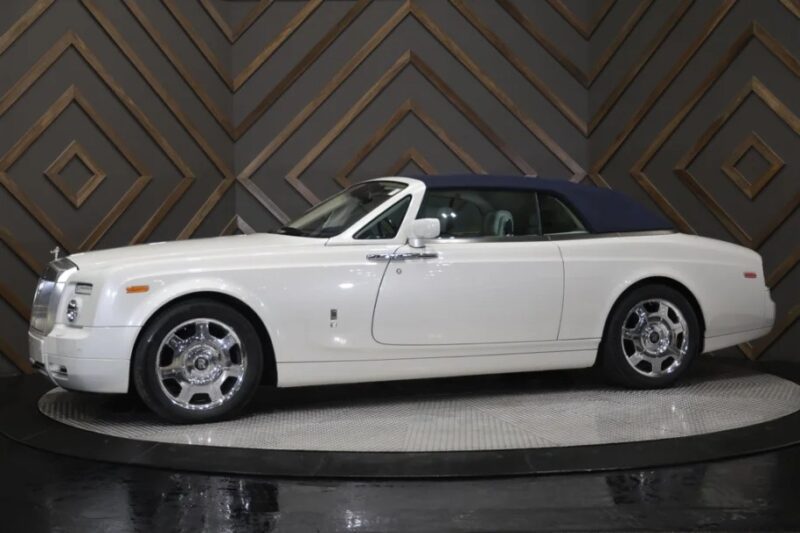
[(48, 294)]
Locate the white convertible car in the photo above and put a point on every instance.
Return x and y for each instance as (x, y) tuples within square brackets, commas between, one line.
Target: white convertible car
[(399, 278)]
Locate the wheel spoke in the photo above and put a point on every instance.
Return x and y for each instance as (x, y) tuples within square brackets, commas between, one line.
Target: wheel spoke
[(636, 358), (641, 313), (630, 334), (655, 364), (201, 330), (663, 311), (228, 342), (173, 369), (214, 391), (187, 393), (674, 352), (235, 371), (170, 372), (176, 343)]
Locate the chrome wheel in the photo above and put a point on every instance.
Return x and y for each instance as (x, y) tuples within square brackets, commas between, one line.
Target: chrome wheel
[(655, 337), (200, 364)]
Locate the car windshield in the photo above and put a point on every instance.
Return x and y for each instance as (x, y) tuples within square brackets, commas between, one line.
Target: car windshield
[(339, 212)]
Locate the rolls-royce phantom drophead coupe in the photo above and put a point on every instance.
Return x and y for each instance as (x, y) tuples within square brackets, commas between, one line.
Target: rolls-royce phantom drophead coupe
[(399, 278)]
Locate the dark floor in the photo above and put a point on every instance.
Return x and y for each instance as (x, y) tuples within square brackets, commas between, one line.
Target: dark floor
[(46, 492), (41, 491)]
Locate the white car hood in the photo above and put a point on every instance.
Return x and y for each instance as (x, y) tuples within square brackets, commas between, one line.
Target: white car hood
[(232, 246)]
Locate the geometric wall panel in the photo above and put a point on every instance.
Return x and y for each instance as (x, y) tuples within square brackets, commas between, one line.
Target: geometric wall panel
[(128, 121), (75, 151), (751, 187)]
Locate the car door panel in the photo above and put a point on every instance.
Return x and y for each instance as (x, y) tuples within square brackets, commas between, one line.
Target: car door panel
[(471, 293)]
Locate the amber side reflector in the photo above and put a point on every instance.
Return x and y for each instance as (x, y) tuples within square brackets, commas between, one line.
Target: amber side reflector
[(750, 275), (137, 288)]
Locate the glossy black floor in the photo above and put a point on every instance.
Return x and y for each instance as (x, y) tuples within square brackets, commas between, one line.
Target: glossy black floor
[(48, 492)]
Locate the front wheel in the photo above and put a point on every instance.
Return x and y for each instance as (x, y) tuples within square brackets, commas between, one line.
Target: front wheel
[(652, 336), (198, 361)]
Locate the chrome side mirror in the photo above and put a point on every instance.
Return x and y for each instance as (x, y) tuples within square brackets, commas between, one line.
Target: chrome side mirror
[(423, 229)]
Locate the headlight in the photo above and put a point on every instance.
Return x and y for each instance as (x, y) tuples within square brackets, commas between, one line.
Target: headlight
[(72, 310)]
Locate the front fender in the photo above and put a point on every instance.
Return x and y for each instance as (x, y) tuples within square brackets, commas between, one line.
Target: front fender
[(135, 309)]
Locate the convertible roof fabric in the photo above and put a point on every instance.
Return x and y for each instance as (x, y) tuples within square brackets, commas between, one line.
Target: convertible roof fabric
[(601, 210)]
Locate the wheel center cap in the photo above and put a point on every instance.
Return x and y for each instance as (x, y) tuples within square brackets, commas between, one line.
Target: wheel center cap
[(655, 339), (202, 364)]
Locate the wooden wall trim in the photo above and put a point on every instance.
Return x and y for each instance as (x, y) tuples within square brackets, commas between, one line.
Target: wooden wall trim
[(168, 65)]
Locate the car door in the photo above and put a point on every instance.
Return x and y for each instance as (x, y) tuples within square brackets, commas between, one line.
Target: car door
[(489, 278)]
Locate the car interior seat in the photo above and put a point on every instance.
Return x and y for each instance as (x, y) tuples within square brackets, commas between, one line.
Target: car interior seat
[(499, 223), (444, 215)]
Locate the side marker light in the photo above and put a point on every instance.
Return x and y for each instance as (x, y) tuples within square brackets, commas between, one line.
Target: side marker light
[(134, 289)]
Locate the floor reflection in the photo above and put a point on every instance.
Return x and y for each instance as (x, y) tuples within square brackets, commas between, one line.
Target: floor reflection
[(48, 492), (45, 492)]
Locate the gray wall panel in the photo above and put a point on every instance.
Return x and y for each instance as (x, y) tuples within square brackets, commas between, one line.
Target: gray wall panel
[(211, 117)]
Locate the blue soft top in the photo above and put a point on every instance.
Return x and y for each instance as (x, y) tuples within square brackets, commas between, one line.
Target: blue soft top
[(601, 210)]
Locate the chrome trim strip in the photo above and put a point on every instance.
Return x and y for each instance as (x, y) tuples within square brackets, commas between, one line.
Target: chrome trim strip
[(379, 257), (414, 255), (646, 233), (556, 237), (402, 256), (461, 240)]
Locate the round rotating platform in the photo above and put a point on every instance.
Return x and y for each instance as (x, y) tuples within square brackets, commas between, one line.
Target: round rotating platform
[(536, 417), (499, 425)]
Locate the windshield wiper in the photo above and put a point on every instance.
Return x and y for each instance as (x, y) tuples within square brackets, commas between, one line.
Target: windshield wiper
[(288, 230)]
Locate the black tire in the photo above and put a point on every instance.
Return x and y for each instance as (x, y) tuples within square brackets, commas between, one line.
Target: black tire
[(616, 358), (147, 360)]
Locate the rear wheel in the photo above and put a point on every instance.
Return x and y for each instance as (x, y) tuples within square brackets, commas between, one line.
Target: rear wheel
[(198, 361), (652, 336)]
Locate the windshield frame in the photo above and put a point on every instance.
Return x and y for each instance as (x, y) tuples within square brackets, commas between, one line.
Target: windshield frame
[(348, 232)]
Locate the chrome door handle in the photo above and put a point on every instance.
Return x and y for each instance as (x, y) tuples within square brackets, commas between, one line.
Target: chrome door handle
[(380, 257), (415, 255), (402, 257)]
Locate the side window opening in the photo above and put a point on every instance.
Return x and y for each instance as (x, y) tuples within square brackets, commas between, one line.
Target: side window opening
[(387, 224), (470, 213), (557, 218)]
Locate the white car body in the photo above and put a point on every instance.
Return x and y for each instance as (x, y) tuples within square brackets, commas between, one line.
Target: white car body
[(335, 316)]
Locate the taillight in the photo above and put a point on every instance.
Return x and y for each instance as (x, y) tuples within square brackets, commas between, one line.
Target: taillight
[(750, 275)]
